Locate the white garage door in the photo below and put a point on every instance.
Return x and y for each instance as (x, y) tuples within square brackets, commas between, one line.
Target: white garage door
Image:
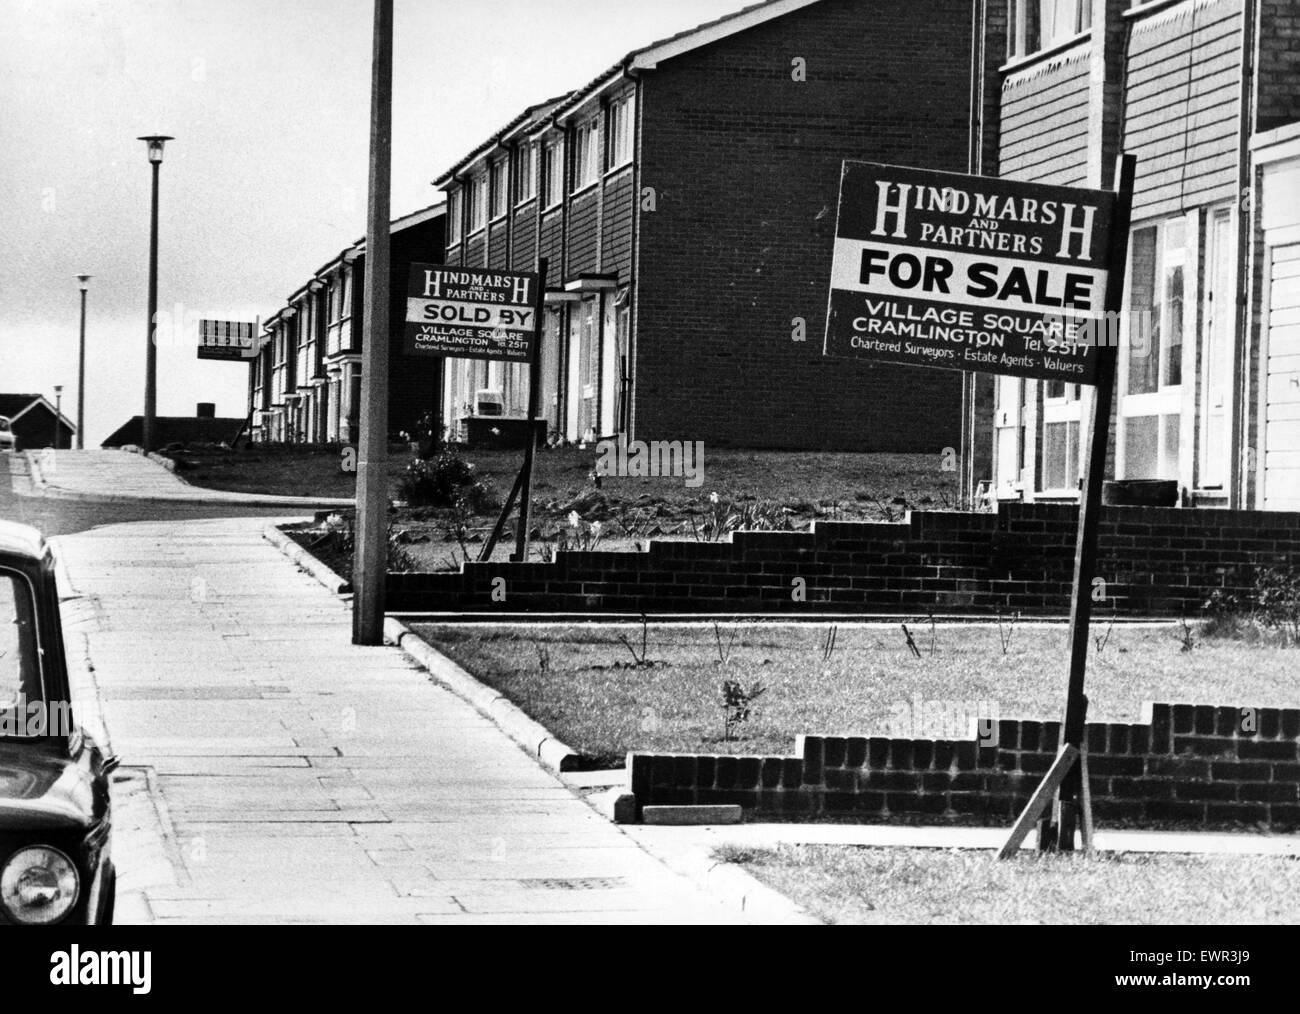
[(1282, 400)]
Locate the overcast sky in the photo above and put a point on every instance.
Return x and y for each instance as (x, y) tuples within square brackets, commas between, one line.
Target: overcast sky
[(266, 180)]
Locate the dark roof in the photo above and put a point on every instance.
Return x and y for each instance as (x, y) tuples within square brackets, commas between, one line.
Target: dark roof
[(12, 404), (176, 430)]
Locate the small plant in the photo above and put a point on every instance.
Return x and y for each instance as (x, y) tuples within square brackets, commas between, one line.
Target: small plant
[(737, 705), (543, 657), (911, 644), (640, 659), (828, 642), (1185, 635), (1101, 640), (723, 653), (1004, 633)]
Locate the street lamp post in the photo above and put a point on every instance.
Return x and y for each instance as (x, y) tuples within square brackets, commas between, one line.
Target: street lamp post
[(155, 143), (58, 415), (81, 369)]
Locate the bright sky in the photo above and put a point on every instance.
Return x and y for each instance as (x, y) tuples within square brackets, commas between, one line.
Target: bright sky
[(266, 180)]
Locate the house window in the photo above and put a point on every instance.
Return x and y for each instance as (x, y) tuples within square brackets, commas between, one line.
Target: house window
[(553, 170), (499, 177), (586, 153), (1035, 25), (454, 210), (620, 131), (1062, 464), (1151, 403), (525, 173), (474, 202)]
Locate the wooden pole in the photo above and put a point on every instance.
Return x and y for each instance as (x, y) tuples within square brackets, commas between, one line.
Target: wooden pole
[(371, 555), (534, 391), (1074, 728), (1064, 780)]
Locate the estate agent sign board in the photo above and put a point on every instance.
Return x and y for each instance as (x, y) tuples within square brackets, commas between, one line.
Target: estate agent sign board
[(968, 272), (471, 313), (230, 340)]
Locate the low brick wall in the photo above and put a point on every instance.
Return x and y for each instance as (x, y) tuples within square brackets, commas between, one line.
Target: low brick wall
[(1187, 764), (1154, 561)]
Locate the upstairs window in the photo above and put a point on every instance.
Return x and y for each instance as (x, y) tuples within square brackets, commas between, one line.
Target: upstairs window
[(553, 170), (455, 208), (499, 174), (525, 173), (1036, 25), (586, 153), (620, 131), (475, 203)]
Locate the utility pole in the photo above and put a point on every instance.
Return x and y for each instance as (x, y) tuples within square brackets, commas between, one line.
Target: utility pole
[(81, 369), (370, 557)]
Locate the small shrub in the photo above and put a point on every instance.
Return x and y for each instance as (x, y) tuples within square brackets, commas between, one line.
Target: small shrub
[(444, 480), (737, 704), (1269, 612)]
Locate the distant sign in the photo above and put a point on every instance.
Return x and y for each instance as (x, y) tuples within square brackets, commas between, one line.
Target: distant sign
[(227, 339), (472, 313), (968, 273)]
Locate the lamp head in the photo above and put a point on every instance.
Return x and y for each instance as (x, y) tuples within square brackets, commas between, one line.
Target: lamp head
[(83, 279), (155, 143)]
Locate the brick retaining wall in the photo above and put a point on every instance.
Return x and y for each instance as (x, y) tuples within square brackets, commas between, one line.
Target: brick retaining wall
[(1154, 561), (1186, 764)]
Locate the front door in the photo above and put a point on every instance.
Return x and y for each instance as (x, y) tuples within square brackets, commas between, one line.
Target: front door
[(1282, 392)]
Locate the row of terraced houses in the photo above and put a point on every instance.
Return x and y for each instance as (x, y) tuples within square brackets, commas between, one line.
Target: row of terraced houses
[(685, 202)]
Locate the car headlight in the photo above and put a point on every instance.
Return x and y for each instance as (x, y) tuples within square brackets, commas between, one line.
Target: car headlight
[(39, 886)]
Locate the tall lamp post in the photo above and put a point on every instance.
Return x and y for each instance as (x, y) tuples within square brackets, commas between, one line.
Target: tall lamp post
[(58, 416), (155, 143), (81, 370)]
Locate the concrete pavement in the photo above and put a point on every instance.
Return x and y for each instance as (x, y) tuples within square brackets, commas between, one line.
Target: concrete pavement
[(274, 772), (112, 475)]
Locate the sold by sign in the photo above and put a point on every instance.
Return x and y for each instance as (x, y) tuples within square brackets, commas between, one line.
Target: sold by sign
[(227, 339), (470, 313), (969, 273)]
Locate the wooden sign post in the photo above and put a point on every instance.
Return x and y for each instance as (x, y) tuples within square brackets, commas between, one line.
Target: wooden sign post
[(1056, 832)]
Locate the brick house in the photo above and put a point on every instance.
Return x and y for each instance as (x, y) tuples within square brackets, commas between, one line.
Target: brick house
[(686, 202), (305, 384), (1206, 94)]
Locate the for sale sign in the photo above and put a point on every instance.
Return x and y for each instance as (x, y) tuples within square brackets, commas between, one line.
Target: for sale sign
[(473, 313), (227, 339), (969, 273)]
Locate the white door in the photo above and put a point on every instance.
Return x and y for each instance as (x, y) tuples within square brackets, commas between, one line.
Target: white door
[(1007, 422), (1282, 395)]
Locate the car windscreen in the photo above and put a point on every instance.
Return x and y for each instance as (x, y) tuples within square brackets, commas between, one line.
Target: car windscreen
[(20, 677)]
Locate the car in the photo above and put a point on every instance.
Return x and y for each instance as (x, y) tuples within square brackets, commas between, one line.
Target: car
[(56, 864), (8, 439)]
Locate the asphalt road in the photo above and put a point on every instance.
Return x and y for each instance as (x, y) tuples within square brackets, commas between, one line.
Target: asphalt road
[(63, 517)]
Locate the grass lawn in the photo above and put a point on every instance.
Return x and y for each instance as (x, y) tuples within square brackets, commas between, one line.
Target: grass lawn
[(857, 886), (583, 683)]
